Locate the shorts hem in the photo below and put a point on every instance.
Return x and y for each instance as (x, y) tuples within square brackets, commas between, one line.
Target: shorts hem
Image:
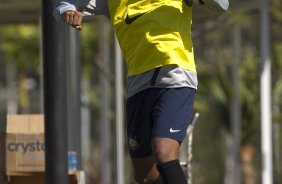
[(179, 139)]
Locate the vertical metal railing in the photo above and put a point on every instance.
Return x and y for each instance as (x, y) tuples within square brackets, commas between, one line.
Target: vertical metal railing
[(186, 153)]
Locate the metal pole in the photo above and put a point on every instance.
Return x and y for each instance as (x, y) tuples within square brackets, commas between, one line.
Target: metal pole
[(235, 114), (119, 114), (189, 148), (265, 89), (54, 97), (85, 125), (41, 90), (73, 92), (105, 134)]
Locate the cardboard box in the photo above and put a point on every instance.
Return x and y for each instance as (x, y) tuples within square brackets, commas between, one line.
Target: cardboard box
[(25, 143), (77, 177)]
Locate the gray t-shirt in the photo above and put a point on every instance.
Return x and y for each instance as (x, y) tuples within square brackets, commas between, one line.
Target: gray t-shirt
[(88, 7), (170, 76)]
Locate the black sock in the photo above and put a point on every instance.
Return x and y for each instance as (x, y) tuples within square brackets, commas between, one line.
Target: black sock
[(172, 173)]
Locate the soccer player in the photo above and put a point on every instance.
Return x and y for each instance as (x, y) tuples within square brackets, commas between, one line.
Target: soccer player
[(155, 38)]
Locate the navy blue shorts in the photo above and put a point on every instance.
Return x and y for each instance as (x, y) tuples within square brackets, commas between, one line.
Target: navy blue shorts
[(157, 113)]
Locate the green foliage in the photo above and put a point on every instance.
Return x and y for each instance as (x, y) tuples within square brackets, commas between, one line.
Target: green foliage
[(240, 16), (249, 94), (89, 46), (214, 56), (275, 8), (20, 44)]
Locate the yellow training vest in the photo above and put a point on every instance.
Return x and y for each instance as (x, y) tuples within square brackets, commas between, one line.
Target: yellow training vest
[(153, 33)]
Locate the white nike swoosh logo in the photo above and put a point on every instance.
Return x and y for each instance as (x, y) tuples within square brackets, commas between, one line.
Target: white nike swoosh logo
[(173, 131)]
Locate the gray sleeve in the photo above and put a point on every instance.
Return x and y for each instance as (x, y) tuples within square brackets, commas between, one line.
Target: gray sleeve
[(96, 7), (223, 4), (88, 7), (64, 6), (213, 5)]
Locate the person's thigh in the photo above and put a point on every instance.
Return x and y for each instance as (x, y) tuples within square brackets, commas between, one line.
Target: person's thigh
[(159, 118), (172, 113), (139, 123), (157, 113), (139, 126)]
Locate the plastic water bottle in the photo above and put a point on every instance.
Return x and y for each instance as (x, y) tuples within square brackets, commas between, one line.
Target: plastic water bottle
[(72, 161)]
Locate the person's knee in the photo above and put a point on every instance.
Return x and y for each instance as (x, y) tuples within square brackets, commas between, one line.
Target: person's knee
[(165, 149)]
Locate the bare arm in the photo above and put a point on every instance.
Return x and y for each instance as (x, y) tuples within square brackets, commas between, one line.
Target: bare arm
[(66, 11), (73, 18)]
